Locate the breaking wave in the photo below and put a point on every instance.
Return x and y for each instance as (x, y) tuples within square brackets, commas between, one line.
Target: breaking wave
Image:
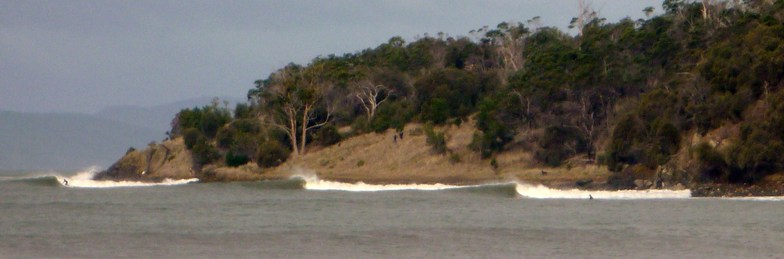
[(543, 192), (316, 184), (502, 189), (85, 180)]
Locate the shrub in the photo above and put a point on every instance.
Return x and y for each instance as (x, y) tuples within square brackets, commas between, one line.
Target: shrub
[(235, 160), (191, 136), (271, 154), (436, 140), (454, 158), (558, 144), (204, 152), (225, 137), (328, 135), (243, 111)]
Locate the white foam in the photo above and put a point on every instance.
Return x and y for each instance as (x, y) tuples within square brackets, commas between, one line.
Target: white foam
[(543, 192), (757, 198), (314, 183), (85, 180)]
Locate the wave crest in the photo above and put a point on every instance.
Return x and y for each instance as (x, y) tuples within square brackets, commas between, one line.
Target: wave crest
[(543, 192), (314, 183), (84, 179)]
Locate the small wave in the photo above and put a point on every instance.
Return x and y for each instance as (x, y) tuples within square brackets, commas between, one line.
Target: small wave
[(84, 179), (543, 192)]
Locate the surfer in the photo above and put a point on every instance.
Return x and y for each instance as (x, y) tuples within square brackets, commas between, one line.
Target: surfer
[(65, 182), (590, 197)]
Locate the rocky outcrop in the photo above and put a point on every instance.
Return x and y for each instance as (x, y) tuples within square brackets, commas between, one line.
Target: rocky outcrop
[(167, 160)]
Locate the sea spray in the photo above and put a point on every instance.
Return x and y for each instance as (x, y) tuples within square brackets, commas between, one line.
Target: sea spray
[(84, 179), (543, 192)]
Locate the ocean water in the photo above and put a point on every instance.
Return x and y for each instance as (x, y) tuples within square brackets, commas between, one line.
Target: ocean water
[(311, 218)]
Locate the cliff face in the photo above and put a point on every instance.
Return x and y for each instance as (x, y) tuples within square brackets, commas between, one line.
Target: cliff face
[(169, 159)]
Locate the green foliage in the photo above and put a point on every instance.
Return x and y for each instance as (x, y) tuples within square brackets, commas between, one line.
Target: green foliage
[(391, 115), (446, 93), (243, 111), (225, 137), (191, 137), (204, 152), (558, 144), (493, 132), (328, 135), (235, 160), (207, 119), (454, 158), (271, 154), (635, 140), (436, 140)]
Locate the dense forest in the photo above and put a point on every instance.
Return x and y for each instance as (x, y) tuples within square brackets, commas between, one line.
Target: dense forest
[(626, 95)]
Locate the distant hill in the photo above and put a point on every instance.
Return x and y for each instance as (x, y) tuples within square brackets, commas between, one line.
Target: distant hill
[(33, 141), (158, 117)]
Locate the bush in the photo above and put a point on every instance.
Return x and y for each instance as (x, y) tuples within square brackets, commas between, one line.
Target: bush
[(243, 111), (235, 160), (328, 135), (191, 136), (271, 154), (225, 137), (436, 140), (560, 143), (204, 152), (492, 134), (454, 158), (207, 120)]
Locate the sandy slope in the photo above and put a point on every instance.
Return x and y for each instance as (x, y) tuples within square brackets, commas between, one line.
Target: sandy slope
[(377, 158)]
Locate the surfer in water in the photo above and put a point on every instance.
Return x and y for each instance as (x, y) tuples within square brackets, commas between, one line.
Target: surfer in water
[(590, 197), (65, 182)]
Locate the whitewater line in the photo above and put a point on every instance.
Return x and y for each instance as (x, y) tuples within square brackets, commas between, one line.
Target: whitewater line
[(85, 180), (316, 184), (312, 182), (543, 192)]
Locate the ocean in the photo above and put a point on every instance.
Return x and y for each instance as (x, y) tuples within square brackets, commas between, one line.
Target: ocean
[(306, 217)]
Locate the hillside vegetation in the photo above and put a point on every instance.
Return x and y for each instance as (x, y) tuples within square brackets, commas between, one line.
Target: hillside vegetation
[(692, 95)]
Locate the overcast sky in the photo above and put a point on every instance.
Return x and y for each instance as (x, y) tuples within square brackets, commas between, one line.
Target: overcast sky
[(81, 56)]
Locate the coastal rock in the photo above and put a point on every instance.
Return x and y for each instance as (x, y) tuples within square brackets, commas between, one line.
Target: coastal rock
[(167, 160)]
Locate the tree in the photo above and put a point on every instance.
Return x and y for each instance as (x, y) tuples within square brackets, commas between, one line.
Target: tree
[(293, 100), (370, 95), (508, 42), (586, 15)]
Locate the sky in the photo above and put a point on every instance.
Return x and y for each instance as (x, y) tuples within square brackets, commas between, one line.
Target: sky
[(82, 56)]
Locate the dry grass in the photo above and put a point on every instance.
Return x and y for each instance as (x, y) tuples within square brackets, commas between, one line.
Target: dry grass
[(377, 158)]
